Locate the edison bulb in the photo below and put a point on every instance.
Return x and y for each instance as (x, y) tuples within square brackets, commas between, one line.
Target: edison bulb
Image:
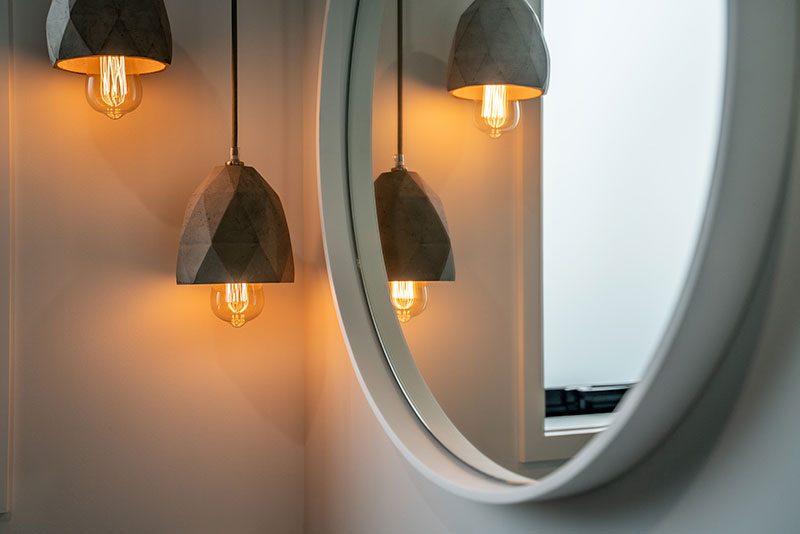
[(113, 91), (237, 303), (495, 113), (408, 298)]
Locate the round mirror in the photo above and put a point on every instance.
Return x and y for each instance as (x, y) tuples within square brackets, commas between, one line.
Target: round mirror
[(571, 235), (536, 283)]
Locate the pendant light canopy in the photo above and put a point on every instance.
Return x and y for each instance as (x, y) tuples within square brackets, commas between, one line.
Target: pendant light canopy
[(235, 235), (499, 56), (234, 231), (414, 237), (413, 229), (112, 42)]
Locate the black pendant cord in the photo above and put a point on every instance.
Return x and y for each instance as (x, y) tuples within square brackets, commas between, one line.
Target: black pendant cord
[(399, 158), (234, 86)]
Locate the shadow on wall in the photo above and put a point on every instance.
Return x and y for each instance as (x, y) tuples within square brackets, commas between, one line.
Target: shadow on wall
[(159, 167), (163, 167)]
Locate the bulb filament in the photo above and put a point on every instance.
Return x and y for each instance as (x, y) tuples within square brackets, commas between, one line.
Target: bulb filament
[(237, 300), (402, 295), (114, 83), (495, 108), (409, 298)]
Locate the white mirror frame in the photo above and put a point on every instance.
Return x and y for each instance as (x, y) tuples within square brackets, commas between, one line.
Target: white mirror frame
[(758, 123)]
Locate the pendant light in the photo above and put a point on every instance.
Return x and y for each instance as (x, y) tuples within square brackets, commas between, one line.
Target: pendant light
[(413, 229), (499, 57), (235, 236), (112, 43)]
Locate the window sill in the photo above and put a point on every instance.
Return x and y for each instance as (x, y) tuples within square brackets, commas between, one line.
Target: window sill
[(563, 425)]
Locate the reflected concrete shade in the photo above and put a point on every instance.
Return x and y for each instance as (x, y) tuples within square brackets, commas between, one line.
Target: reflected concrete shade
[(499, 42), (87, 28), (234, 230), (414, 238)]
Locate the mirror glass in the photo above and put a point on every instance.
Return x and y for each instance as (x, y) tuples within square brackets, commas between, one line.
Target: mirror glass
[(571, 234)]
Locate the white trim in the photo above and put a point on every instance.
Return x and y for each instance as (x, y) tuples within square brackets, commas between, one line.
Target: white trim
[(535, 444), (757, 128), (564, 425)]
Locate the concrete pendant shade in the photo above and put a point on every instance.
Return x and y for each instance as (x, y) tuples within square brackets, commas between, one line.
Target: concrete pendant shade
[(80, 31), (413, 229), (498, 42), (234, 230)]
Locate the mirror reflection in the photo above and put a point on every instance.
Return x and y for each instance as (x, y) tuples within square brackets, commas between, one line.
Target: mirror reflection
[(537, 229)]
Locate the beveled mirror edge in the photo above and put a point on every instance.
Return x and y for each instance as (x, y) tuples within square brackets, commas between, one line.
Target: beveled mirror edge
[(759, 96)]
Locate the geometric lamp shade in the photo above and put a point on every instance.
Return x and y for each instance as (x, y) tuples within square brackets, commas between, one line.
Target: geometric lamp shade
[(80, 31), (234, 231), (413, 229), (498, 42)]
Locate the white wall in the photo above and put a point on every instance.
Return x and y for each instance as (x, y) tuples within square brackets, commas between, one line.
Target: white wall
[(729, 467), (135, 409)]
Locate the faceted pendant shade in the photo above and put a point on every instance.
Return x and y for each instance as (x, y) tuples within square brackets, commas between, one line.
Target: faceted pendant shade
[(416, 245), (498, 42), (234, 230), (79, 31)]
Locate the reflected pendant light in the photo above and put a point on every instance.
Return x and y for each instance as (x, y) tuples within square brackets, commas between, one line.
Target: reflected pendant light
[(235, 236), (499, 57), (413, 229), (112, 42)]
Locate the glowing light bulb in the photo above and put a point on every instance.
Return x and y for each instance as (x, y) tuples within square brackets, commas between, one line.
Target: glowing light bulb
[(408, 298), (495, 113), (113, 91), (237, 303)]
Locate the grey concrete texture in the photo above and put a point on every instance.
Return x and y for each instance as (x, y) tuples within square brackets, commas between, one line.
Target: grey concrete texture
[(135, 28), (413, 228), (498, 42), (234, 230)]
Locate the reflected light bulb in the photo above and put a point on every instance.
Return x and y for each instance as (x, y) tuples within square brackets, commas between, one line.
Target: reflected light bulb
[(113, 91), (237, 303), (408, 298), (495, 113)]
